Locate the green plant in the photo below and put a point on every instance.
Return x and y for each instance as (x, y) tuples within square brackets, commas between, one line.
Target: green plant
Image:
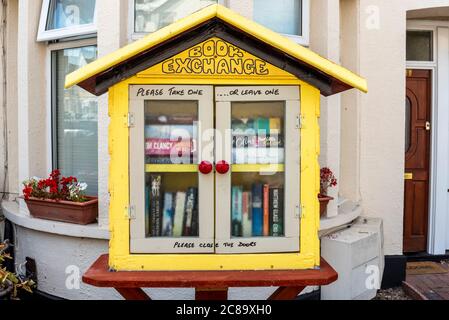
[(11, 283)]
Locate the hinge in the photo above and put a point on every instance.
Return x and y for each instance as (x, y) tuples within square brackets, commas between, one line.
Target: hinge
[(299, 121), (130, 212), (298, 212), (130, 120)]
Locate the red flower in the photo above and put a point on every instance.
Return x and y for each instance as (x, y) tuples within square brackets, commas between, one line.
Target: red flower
[(27, 191)]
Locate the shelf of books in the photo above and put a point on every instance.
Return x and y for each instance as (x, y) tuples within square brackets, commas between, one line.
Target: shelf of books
[(171, 171)]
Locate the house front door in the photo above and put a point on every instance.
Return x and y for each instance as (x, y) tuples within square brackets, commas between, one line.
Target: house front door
[(417, 154)]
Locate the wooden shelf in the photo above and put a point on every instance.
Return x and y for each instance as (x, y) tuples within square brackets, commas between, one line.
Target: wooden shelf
[(171, 168), (258, 168)]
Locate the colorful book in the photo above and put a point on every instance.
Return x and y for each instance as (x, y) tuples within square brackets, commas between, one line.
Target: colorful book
[(236, 211), (167, 147), (257, 210), (167, 217), (276, 212), (147, 210), (179, 214), (246, 215), (190, 224), (171, 132), (155, 204), (266, 210), (258, 155), (275, 126), (262, 126)]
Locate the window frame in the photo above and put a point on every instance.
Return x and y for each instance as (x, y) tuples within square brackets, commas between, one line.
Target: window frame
[(300, 39), (51, 93), (67, 32), (304, 38)]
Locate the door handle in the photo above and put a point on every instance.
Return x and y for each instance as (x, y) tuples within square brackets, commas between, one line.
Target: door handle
[(205, 167), (222, 167), (427, 126)]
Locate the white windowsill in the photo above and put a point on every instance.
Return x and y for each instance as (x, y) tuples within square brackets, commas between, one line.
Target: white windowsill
[(348, 211), (12, 212)]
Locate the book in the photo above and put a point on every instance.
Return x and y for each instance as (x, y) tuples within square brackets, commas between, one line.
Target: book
[(275, 126), (246, 215), (257, 213), (179, 213), (258, 155), (171, 132), (167, 147), (266, 210), (236, 211), (262, 126), (169, 119), (190, 221), (276, 212), (155, 205), (147, 210), (167, 216)]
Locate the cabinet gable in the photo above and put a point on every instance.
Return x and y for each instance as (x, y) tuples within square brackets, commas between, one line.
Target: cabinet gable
[(213, 58)]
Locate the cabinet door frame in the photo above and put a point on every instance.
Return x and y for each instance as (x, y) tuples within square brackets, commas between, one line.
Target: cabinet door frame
[(139, 243), (290, 95)]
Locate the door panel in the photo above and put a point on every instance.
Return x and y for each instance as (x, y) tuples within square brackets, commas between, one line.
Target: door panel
[(258, 200), (417, 153), (173, 202)]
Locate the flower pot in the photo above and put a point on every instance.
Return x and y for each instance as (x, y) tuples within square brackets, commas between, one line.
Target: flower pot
[(64, 211), (324, 200)]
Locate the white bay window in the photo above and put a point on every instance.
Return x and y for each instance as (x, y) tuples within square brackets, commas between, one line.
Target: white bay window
[(67, 18)]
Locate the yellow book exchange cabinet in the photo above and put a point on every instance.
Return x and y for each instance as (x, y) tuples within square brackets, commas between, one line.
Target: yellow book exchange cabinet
[(214, 145)]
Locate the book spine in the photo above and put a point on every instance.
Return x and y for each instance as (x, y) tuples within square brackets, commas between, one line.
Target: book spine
[(266, 210), (237, 205), (167, 218), (179, 214), (258, 155), (257, 213), (276, 212), (246, 213), (155, 203), (190, 211), (165, 147), (195, 230), (147, 210)]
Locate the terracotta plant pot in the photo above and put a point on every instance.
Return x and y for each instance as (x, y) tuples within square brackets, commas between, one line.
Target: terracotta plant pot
[(324, 200), (64, 211)]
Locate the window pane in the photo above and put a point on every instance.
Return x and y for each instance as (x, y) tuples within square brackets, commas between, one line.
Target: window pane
[(69, 13), (283, 16), (257, 199), (75, 120), (419, 46), (151, 15), (408, 119), (171, 198)]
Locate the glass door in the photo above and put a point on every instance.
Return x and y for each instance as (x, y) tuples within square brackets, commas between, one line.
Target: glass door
[(172, 201), (258, 169)]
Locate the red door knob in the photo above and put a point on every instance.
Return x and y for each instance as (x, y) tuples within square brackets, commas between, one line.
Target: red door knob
[(206, 167), (222, 167)]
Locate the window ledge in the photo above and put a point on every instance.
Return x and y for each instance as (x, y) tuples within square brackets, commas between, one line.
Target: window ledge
[(348, 211), (13, 213)]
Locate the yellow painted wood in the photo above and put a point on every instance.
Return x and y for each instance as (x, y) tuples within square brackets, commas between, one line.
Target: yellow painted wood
[(171, 168), (264, 34), (231, 62), (257, 168)]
